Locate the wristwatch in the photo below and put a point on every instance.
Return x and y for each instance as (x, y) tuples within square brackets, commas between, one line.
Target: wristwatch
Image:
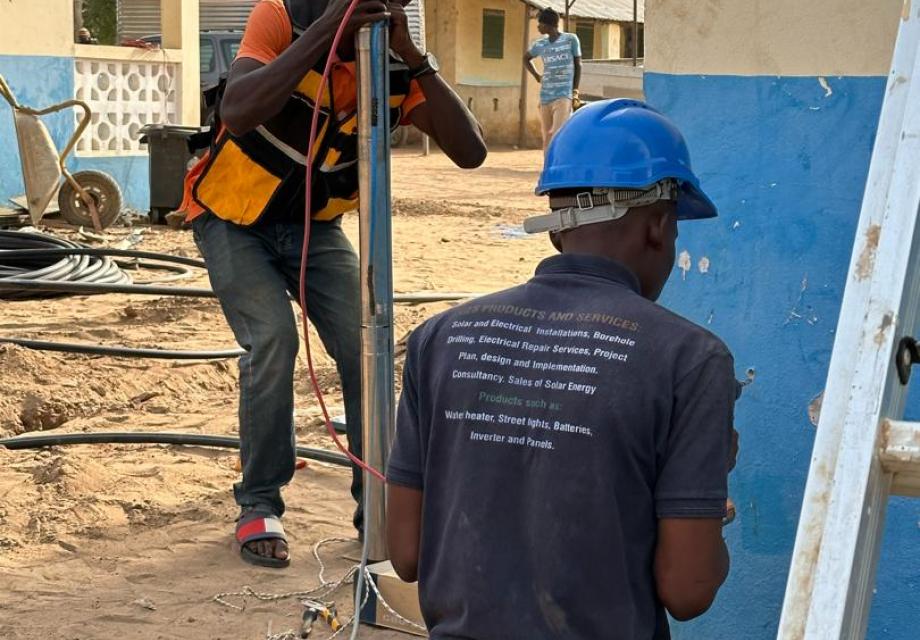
[(429, 66)]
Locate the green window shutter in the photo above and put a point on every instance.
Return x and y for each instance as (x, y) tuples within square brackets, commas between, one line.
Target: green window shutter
[(493, 34), (585, 32)]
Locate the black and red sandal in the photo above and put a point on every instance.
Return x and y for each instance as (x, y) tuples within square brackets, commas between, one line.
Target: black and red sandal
[(255, 525)]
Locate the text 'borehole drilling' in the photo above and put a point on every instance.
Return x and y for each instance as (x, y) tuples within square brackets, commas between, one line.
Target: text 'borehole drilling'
[(534, 366)]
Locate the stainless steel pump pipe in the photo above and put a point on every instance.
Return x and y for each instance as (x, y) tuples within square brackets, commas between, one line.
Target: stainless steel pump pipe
[(378, 396)]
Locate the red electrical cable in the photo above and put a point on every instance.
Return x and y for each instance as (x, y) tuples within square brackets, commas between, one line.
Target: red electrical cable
[(308, 218)]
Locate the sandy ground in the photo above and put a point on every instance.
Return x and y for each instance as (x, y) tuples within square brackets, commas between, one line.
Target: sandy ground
[(135, 541)]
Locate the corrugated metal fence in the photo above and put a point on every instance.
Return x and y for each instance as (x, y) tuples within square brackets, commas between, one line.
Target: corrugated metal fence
[(138, 18)]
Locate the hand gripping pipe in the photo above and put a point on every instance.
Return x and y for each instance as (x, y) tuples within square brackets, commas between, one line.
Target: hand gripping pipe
[(378, 394)]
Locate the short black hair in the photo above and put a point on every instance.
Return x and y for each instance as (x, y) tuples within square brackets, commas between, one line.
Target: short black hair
[(549, 16)]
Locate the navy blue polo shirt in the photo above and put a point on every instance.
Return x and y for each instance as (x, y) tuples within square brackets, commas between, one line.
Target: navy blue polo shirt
[(550, 426)]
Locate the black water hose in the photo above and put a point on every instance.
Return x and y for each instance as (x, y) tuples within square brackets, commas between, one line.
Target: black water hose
[(36, 265), (122, 352), (182, 439), (77, 250), (32, 264), (15, 284), (12, 285)]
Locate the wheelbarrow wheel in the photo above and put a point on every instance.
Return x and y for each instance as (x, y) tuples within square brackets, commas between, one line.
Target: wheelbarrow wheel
[(101, 188)]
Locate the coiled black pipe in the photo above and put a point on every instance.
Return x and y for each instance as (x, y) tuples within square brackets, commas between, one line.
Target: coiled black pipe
[(69, 267), (182, 439), (40, 258)]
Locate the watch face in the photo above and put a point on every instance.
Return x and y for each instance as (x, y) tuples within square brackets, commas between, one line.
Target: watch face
[(433, 63)]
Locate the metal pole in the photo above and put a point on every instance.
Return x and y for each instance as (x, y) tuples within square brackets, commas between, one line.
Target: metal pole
[(426, 140), (378, 412), (635, 37), (522, 126)]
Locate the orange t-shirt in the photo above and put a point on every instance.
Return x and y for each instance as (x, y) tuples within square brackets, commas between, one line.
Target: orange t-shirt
[(267, 35)]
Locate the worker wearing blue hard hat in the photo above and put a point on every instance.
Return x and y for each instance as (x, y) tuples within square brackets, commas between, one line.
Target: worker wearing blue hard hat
[(623, 145), (568, 441)]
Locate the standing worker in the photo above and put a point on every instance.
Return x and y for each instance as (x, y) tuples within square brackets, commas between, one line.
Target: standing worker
[(246, 202), (561, 55), (569, 439)]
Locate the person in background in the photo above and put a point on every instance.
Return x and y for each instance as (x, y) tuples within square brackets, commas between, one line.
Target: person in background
[(561, 55), (85, 36), (569, 440)]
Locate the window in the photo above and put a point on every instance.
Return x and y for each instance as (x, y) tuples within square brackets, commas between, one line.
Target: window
[(493, 34), (208, 63), (230, 49), (585, 32), (628, 41)]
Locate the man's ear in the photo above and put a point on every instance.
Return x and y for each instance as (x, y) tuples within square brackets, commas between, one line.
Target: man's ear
[(659, 220), (556, 238)]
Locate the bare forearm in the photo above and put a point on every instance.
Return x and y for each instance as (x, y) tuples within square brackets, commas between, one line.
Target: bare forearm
[(576, 82), (255, 93), (691, 563), (404, 525), (528, 64), (451, 124)]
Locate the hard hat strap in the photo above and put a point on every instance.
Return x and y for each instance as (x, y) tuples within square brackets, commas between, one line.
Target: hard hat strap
[(571, 217), (664, 190), (598, 205)]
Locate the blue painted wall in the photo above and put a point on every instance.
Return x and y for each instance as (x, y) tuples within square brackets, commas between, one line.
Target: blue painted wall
[(785, 160), (39, 82)]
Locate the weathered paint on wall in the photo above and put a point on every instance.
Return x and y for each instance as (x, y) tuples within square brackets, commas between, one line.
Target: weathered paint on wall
[(784, 37), (785, 158), (181, 31), (472, 68), (36, 27), (40, 81), (494, 85)]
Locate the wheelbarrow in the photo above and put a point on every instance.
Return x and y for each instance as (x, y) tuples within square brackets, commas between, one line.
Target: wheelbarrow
[(86, 197)]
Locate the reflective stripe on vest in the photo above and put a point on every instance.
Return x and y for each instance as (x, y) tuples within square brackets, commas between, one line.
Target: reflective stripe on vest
[(261, 173)]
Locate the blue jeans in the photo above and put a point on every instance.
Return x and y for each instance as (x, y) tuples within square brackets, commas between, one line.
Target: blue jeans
[(253, 270)]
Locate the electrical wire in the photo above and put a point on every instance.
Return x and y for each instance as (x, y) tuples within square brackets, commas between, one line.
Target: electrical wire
[(182, 439), (308, 219)]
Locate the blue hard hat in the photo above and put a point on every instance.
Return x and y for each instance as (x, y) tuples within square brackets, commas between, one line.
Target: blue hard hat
[(623, 144)]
